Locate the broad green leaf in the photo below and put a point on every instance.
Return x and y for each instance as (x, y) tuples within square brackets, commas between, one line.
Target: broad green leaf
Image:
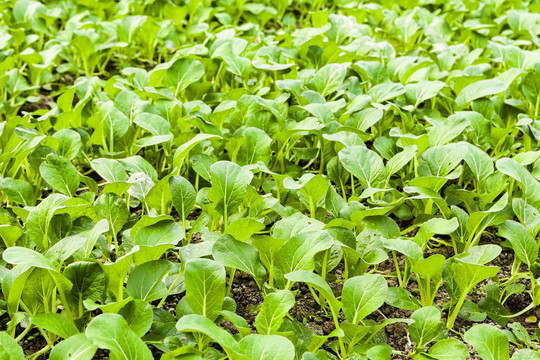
[(423, 90), (182, 73), (299, 252), (69, 143), (238, 255), (23, 256), (386, 91), (146, 281), (449, 349), (205, 287), (530, 186), (19, 191), (402, 299), (10, 349), (362, 295), (490, 342), (275, 307), (364, 164), (112, 332), (113, 209), (427, 325), (77, 347), (139, 316), (523, 244), (183, 195), (479, 162), (183, 150), (56, 324), (444, 133), (480, 89), (88, 282), (256, 147), (329, 78), (229, 182), (60, 173), (206, 326), (267, 347), (109, 169), (319, 284), (398, 161)]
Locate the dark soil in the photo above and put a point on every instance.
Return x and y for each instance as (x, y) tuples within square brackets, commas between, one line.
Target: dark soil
[(30, 107), (247, 296)]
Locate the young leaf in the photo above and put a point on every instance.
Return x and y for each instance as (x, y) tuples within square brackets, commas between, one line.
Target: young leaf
[(10, 349), (112, 332), (77, 347), (19, 191), (205, 287), (523, 244), (229, 182), (146, 281), (109, 169), (490, 342), (60, 173), (362, 295), (427, 325), (275, 307), (364, 164), (238, 255), (480, 89), (56, 324), (183, 195), (267, 347)]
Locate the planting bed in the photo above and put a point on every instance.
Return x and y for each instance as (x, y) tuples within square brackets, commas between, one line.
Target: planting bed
[(269, 179)]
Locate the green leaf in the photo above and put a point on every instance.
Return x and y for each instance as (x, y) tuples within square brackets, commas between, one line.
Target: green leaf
[(23, 256), (56, 324), (183, 195), (267, 347), (60, 173), (449, 349), (427, 325), (319, 284), (113, 209), (205, 287), (329, 78), (490, 342), (88, 281), (256, 147), (229, 183), (364, 164), (402, 299), (109, 169), (275, 307), (480, 89), (77, 347), (530, 186), (139, 316), (146, 281), (386, 91), (299, 252), (362, 295), (19, 191), (206, 326), (182, 73), (112, 332), (238, 255), (523, 244), (10, 349), (398, 161), (69, 143)]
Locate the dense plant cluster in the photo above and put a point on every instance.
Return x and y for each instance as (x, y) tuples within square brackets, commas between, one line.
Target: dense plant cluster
[(275, 179)]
